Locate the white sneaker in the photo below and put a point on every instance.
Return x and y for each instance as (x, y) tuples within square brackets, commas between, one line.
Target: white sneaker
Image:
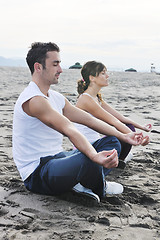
[(128, 158), (113, 188), (78, 188)]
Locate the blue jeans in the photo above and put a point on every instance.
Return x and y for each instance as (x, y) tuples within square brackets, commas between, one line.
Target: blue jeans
[(126, 147), (59, 173)]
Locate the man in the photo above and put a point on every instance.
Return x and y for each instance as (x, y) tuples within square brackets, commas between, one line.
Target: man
[(41, 118)]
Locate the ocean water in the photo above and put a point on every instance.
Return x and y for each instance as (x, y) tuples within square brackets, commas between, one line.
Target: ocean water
[(138, 89), (136, 95)]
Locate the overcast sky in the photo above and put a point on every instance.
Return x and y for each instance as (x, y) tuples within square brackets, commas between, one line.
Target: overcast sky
[(119, 33)]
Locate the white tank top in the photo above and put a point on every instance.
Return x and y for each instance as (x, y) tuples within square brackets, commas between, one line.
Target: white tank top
[(89, 133), (32, 139)]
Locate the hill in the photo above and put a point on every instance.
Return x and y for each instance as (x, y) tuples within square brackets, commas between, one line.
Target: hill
[(12, 62)]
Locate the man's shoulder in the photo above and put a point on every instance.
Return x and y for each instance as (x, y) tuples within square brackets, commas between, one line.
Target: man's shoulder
[(29, 88), (29, 92)]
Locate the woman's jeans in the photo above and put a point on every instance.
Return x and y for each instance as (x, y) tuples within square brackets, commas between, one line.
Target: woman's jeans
[(126, 147), (59, 173)]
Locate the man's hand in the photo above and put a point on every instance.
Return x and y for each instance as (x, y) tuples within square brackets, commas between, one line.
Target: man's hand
[(145, 141), (108, 159), (134, 138)]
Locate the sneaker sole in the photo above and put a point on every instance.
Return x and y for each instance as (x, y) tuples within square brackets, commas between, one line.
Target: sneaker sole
[(87, 194)]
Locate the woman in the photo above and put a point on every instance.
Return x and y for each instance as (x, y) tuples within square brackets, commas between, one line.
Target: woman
[(94, 77)]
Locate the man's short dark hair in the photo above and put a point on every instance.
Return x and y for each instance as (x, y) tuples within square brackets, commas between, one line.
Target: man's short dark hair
[(38, 53)]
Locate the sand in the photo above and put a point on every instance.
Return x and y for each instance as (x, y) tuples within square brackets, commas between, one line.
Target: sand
[(135, 214)]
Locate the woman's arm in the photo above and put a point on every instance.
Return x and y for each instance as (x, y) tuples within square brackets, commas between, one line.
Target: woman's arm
[(124, 119), (88, 104)]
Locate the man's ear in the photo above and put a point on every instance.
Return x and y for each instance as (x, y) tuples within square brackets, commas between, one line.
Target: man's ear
[(37, 67)]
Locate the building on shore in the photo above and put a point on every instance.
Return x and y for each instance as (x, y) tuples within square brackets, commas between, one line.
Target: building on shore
[(77, 65), (153, 69), (131, 70)]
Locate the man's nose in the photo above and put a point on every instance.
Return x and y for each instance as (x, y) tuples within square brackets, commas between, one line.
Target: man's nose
[(60, 69)]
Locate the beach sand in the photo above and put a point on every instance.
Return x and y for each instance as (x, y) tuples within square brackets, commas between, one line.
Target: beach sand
[(135, 214)]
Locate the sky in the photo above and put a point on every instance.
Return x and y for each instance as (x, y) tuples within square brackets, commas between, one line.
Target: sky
[(119, 33)]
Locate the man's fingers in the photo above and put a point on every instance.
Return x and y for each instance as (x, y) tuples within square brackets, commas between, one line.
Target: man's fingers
[(145, 141), (112, 160)]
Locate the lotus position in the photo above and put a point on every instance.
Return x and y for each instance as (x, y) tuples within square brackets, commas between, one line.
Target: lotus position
[(42, 116), (94, 78)]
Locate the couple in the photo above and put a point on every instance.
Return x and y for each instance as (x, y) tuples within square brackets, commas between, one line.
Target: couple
[(41, 118)]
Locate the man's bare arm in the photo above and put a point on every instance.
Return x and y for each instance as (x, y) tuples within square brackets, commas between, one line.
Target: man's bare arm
[(40, 108), (77, 115)]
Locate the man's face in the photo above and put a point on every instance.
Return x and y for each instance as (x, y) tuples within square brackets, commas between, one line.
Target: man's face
[(52, 69)]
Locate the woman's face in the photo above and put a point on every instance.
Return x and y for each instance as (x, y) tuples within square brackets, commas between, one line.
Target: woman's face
[(102, 79)]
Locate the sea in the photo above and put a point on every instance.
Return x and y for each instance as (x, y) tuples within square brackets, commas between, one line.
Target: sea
[(134, 94)]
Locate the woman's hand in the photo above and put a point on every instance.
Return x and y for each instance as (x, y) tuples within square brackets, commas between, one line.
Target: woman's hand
[(147, 127)]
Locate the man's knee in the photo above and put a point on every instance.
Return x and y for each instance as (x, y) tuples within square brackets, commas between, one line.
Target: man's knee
[(108, 143), (116, 144)]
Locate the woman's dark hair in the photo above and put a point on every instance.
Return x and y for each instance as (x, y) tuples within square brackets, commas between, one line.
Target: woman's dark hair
[(92, 68), (38, 53)]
